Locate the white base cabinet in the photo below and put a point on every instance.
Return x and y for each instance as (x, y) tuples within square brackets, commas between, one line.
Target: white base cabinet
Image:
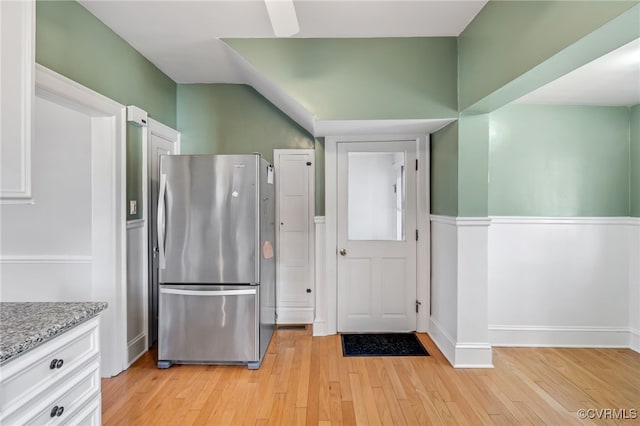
[(55, 383)]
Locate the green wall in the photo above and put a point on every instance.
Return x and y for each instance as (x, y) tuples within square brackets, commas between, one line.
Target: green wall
[(349, 79), (134, 169), (473, 160), (444, 171), (235, 119), (509, 38), (559, 161), (73, 42), (635, 161), (319, 154)]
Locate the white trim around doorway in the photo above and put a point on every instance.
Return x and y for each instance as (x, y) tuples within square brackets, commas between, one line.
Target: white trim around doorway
[(330, 314)]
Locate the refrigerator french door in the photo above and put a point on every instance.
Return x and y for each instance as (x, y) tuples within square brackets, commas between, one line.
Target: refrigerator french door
[(217, 267)]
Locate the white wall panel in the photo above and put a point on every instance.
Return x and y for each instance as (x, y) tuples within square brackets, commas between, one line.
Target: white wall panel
[(321, 302), (634, 283), (561, 282), (46, 246), (137, 300), (59, 279), (59, 221), (444, 276)]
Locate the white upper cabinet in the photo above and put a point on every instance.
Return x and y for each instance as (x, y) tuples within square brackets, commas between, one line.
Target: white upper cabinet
[(17, 59)]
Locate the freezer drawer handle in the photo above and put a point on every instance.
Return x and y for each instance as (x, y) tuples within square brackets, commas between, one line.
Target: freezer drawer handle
[(207, 292)]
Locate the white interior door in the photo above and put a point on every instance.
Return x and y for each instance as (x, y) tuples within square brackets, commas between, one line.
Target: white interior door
[(294, 213), (376, 236), (163, 140)]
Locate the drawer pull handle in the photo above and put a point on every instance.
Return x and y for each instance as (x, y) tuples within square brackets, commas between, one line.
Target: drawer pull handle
[(57, 411), (56, 363)]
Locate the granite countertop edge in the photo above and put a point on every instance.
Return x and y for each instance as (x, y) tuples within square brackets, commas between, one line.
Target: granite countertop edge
[(27, 325)]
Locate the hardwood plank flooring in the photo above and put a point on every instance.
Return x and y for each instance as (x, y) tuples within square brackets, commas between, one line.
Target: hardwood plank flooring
[(304, 380)]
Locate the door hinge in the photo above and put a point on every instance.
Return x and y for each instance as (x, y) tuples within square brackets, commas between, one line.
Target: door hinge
[(418, 303), (416, 235), (416, 164)]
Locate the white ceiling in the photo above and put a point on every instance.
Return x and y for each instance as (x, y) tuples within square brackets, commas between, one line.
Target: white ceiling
[(611, 80), (182, 37)]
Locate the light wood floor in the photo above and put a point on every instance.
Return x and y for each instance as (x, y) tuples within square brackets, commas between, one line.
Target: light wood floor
[(305, 380)]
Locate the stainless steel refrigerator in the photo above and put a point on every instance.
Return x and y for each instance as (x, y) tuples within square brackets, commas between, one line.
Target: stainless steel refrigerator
[(217, 259)]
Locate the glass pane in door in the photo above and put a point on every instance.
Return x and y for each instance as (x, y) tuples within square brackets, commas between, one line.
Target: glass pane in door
[(376, 196)]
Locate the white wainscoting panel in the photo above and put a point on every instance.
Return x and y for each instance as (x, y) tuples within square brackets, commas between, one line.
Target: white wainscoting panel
[(458, 324), (472, 343), (320, 318), (559, 281), (45, 278), (634, 283), (137, 294), (444, 277), (46, 246)]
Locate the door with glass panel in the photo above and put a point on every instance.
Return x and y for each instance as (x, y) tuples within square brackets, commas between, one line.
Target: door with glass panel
[(376, 236)]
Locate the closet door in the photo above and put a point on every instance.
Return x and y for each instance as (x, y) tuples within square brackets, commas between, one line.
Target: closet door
[(294, 174)]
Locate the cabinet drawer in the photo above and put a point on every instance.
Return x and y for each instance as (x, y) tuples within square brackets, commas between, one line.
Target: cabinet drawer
[(89, 415), (66, 400), (30, 374)]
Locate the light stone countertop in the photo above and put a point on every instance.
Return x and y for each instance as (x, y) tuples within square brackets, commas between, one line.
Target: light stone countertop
[(23, 326)]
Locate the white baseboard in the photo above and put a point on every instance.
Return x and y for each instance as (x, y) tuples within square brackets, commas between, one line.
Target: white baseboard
[(570, 337), (320, 328), (136, 348), (473, 355), (634, 339), (295, 315), (461, 355), (443, 341)]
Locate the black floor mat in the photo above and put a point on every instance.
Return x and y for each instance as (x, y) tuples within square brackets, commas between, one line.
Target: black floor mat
[(382, 344)]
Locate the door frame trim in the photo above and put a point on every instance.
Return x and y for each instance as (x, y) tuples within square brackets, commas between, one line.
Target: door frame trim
[(173, 136), (108, 193), (311, 221), (423, 271)]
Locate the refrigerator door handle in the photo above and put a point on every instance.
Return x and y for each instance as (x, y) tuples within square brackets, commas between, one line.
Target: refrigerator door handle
[(207, 292), (160, 222)]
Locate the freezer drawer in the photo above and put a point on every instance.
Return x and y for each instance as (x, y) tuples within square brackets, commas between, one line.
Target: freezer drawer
[(209, 324)]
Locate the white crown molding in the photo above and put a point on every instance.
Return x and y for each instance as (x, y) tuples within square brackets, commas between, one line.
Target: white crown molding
[(447, 220), (473, 221), (45, 259), (460, 221), (533, 220), (549, 220), (54, 86)]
